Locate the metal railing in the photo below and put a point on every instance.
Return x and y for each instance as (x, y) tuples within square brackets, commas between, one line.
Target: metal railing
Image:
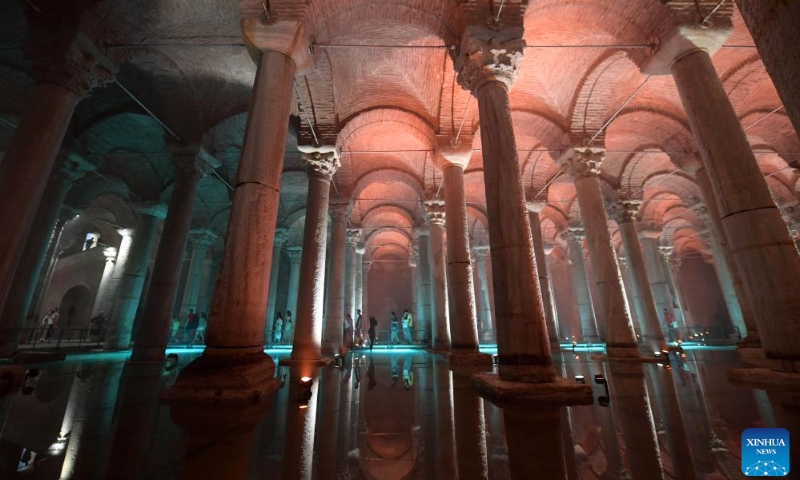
[(55, 337)]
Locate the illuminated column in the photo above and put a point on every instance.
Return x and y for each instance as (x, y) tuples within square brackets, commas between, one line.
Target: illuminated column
[(655, 272), (360, 250), (413, 262), (120, 265), (294, 253), (479, 253), (678, 309), (487, 66), (675, 270), (427, 313), (153, 333), (63, 77), (366, 265), (200, 240), (131, 285), (583, 164), (580, 285), (543, 270), (12, 320), (321, 166), (353, 237), (440, 331), (272, 297), (104, 290), (335, 309), (624, 212)]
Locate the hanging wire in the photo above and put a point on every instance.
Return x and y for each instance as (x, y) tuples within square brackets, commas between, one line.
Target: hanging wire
[(704, 21), (608, 122), (463, 118), (499, 11), (149, 112), (305, 112), (763, 118), (655, 182)]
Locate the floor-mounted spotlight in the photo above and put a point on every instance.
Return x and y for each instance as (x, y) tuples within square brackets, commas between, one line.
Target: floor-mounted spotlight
[(580, 379), (305, 395)]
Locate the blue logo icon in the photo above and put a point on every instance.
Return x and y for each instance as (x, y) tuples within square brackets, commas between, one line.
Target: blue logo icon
[(765, 452)]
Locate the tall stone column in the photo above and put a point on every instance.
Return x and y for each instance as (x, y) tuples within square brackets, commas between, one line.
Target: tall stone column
[(121, 318), (655, 272), (674, 264), (353, 237), (365, 267), (479, 253), (413, 263), (153, 333), (463, 320), (104, 290), (580, 286), (677, 307), (725, 278), (200, 240), (54, 251), (767, 255), (543, 269), (106, 304), (427, 313), (272, 297), (335, 309), (63, 77), (487, 67), (360, 251), (321, 166), (624, 270), (440, 331), (12, 320), (624, 212), (584, 166), (295, 254), (773, 26)]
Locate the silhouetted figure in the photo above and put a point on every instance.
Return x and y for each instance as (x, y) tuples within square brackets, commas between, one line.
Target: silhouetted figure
[(373, 323), (278, 328), (288, 327), (189, 329), (359, 333), (395, 330), (371, 382), (408, 324)]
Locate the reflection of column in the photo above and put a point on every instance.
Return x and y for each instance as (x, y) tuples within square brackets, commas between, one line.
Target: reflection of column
[(20, 296), (445, 446), (584, 166), (272, 297), (298, 450), (321, 166), (479, 253), (580, 285), (104, 290), (336, 279), (473, 462), (153, 333), (328, 413), (535, 443), (426, 314), (350, 281), (624, 212), (766, 255), (631, 405), (543, 270), (440, 332), (130, 289), (487, 66), (294, 253), (200, 240)]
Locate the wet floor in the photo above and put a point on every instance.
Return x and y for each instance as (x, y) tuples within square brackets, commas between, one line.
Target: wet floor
[(388, 416)]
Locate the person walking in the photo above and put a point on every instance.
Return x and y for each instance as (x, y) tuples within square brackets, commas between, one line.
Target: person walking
[(288, 327), (200, 334), (373, 323), (190, 327), (46, 326), (672, 325), (278, 328), (395, 330), (359, 332), (408, 324)]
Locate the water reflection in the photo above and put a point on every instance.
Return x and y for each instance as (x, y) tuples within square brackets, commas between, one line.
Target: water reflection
[(385, 416)]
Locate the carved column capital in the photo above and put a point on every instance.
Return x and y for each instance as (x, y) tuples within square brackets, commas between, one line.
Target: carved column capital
[(202, 238), (69, 169), (435, 212), (68, 59), (366, 265), (480, 252), (281, 237), (353, 236), (489, 56), (624, 211), (666, 251), (536, 206), (339, 212), (321, 162), (153, 209), (190, 164), (575, 236), (422, 231), (623, 261), (294, 253), (582, 162)]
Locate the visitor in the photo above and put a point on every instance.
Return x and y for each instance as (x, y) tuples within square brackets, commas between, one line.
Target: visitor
[(200, 334), (46, 326), (373, 323), (359, 333), (288, 327), (348, 331), (408, 324), (395, 330), (96, 326), (176, 326), (278, 328), (672, 325), (190, 327)]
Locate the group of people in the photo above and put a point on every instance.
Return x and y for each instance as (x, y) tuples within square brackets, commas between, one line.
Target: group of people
[(193, 331), (283, 328), (407, 324)]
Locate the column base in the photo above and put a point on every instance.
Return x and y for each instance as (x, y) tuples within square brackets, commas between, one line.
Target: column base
[(470, 359), (765, 379), (560, 392), (295, 362), (224, 377), (752, 354)]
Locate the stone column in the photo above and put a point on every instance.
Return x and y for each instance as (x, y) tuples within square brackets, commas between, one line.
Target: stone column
[(428, 312), (624, 212), (353, 237), (624, 271), (272, 297), (106, 305), (440, 331), (366, 265), (360, 250), (463, 321), (200, 240), (584, 166), (321, 166), (767, 255), (295, 254), (666, 254), (153, 333), (104, 291), (118, 336), (333, 338), (413, 263), (773, 26), (63, 77), (543, 269), (580, 286), (675, 270), (487, 67), (66, 172), (479, 253), (725, 278), (655, 273)]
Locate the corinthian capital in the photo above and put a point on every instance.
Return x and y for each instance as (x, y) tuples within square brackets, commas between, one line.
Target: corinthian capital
[(582, 162), (69, 169), (321, 162), (434, 212), (353, 236), (624, 211), (489, 56)]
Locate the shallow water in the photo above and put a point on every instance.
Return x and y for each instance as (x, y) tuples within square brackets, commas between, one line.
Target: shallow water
[(389, 415)]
